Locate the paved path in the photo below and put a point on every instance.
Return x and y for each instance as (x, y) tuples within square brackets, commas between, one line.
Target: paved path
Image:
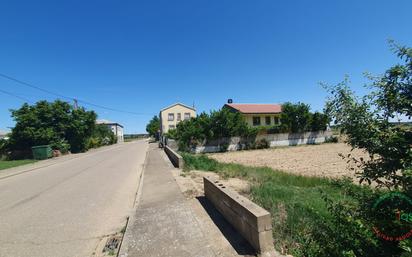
[(164, 224), (68, 208)]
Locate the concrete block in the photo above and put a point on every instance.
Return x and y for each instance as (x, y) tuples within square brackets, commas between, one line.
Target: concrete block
[(174, 157), (250, 220)]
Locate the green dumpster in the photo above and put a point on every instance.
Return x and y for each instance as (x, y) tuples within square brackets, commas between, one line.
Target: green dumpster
[(42, 152)]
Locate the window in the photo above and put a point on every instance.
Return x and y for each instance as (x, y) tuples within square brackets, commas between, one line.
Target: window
[(187, 115), (267, 120), (171, 117), (276, 120), (171, 126), (256, 121), (179, 117)]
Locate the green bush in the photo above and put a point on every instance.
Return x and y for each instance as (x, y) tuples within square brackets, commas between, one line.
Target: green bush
[(49, 122), (216, 125), (260, 144), (366, 123), (199, 162), (281, 128), (172, 134), (102, 135), (332, 139), (153, 126), (297, 118), (93, 142), (62, 145)]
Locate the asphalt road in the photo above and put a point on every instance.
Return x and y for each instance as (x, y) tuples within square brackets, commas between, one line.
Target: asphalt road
[(70, 208)]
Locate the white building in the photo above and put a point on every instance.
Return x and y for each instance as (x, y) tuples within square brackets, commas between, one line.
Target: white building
[(3, 134), (115, 127)]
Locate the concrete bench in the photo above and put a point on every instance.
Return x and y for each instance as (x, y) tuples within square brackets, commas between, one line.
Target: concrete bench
[(250, 220), (174, 157)]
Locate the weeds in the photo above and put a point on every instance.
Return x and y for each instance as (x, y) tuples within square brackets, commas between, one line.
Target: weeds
[(295, 202)]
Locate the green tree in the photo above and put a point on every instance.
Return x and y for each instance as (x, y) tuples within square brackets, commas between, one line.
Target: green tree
[(318, 121), (82, 125), (296, 117), (153, 126), (102, 135), (367, 124), (225, 123), (53, 123), (216, 125)]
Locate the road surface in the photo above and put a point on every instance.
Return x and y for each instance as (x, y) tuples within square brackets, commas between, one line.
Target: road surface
[(69, 208)]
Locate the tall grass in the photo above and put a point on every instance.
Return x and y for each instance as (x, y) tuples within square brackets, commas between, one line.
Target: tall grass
[(295, 202)]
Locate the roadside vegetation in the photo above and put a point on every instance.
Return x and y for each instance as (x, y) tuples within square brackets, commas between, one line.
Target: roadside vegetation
[(315, 216), (224, 123), (153, 127), (297, 203), (57, 124), (133, 137), (11, 164)]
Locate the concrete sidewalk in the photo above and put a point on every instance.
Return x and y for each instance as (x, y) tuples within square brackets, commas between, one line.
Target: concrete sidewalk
[(164, 223)]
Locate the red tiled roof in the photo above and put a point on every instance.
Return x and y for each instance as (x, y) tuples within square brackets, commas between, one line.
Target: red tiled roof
[(257, 108)]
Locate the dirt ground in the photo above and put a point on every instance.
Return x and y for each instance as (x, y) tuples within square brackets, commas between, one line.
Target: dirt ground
[(308, 160)]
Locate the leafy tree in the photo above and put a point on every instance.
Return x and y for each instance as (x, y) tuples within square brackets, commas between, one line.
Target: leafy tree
[(171, 133), (367, 123), (81, 129), (296, 116), (318, 121), (153, 126), (55, 123), (102, 135), (216, 125), (225, 123)]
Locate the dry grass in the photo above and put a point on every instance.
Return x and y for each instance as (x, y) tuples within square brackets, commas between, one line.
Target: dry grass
[(309, 160)]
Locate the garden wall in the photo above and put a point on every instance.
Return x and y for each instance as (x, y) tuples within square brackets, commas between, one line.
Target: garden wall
[(274, 140)]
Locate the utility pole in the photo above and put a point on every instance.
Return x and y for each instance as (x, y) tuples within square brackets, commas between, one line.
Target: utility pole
[(75, 104)]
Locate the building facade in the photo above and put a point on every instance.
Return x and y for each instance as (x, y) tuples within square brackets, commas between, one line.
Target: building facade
[(115, 127), (258, 114), (173, 114)]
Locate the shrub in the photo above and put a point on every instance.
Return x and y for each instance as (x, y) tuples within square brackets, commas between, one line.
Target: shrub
[(93, 142), (62, 145), (153, 126), (48, 122), (216, 125), (260, 144), (332, 139), (297, 118), (281, 128), (172, 134), (318, 121), (199, 162), (366, 124)]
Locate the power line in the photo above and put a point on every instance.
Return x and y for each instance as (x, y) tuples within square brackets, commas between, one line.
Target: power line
[(14, 95), (33, 86), (20, 82)]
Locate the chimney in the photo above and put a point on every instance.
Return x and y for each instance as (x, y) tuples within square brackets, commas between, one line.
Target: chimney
[(229, 101)]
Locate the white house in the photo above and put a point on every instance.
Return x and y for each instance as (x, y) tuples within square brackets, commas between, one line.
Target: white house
[(115, 127)]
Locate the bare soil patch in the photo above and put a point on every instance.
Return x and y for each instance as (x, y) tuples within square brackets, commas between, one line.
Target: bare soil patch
[(308, 160)]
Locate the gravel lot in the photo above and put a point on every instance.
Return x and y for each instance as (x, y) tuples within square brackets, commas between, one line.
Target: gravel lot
[(309, 160)]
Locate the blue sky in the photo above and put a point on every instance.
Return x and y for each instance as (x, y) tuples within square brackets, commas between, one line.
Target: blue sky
[(141, 56)]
